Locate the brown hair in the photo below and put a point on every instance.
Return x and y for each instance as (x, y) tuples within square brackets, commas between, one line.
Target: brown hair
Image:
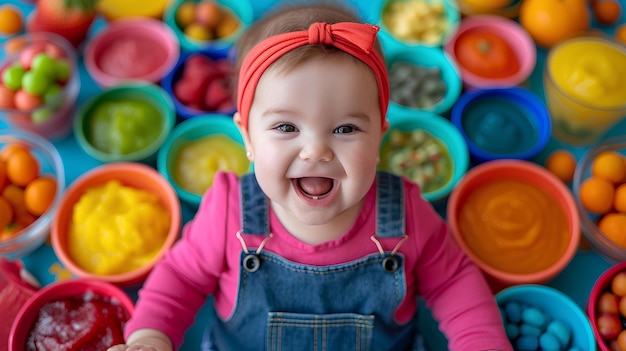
[(290, 18)]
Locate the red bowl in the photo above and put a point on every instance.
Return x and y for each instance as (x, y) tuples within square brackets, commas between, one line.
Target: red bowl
[(28, 314)]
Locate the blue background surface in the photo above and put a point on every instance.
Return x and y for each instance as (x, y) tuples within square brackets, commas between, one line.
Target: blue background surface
[(576, 280)]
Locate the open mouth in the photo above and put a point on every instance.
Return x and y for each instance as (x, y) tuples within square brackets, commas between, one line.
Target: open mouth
[(315, 188)]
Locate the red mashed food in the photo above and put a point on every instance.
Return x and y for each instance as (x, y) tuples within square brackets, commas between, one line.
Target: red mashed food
[(86, 323), (132, 57)]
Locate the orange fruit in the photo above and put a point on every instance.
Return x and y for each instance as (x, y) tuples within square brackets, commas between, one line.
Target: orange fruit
[(619, 198), (562, 164), (10, 230), (39, 195), (620, 33), (3, 175), (607, 12), (596, 195), (185, 13), (613, 226), (609, 165), (10, 20), (15, 195), (22, 167), (551, 21), (10, 149), (6, 212)]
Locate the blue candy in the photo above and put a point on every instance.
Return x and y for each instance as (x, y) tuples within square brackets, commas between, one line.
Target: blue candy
[(561, 331), (527, 329), (513, 311), (549, 342), (527, 343), (534, 316)]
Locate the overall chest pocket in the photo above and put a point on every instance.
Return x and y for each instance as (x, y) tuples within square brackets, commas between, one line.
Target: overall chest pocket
[(319, 332)]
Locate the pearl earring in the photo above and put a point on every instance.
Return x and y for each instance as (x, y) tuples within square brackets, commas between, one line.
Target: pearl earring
[(248, 154)]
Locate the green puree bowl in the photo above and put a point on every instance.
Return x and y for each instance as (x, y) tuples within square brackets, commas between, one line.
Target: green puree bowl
[(128, 122)]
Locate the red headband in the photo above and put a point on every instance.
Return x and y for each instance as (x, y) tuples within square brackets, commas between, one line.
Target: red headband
[(354, 38)]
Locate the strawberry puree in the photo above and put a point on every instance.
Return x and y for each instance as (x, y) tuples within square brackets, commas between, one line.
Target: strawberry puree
[(126, 57)]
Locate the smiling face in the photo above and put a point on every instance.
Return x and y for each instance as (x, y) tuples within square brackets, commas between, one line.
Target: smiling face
[(314, 135)]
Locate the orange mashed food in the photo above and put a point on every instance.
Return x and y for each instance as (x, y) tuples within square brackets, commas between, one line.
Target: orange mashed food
[(514, 226)]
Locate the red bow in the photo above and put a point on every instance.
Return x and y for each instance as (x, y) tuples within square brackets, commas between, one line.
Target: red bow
[(356, 39)]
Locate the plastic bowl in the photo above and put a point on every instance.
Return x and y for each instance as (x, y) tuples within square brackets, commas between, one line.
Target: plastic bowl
[(473, 8), (429, 58), (602, 285), (502, 123), (605, 247), (75, 288), (557, 307), (138, 48), (443, 131), (183, 110), (514, 210), (130, 174), (53, 118), (513, 33), (152, 94), (34, 235), (188, 131), (242, 10), (400, 20)]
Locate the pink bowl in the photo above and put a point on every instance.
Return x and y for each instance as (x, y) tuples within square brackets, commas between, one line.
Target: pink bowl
[(29, 312), (132, 49), (517, 37), (528, 173)]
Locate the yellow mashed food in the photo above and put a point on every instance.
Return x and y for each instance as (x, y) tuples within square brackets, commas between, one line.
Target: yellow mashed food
[(116, 228)]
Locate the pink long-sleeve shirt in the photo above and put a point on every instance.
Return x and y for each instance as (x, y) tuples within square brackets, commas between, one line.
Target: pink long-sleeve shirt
[(206, 261)]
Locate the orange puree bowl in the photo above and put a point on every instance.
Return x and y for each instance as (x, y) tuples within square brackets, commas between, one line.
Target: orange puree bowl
[(77, 290), (116, 235), (515, 220)]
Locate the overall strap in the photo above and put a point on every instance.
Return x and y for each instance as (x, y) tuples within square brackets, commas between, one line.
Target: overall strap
[(389, 206), (254, 206)]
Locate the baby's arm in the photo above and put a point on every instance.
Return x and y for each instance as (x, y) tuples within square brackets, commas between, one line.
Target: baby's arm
[(145, 340)]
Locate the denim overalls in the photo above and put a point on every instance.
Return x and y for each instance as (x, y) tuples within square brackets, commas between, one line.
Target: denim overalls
[(283, 305)]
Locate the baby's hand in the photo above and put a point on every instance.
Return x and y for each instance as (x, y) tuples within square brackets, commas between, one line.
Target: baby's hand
[(145, 340)]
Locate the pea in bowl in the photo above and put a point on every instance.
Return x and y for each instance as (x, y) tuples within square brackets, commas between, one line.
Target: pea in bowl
[(196, 149), (128, 122), (427, 149)]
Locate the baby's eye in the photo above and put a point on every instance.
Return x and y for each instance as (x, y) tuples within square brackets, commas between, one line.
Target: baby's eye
[(286, 128), (347, 129)]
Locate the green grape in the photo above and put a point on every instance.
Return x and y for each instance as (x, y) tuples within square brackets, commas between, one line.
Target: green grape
[(52, 93), (44, 64), (12, 76), (62, 70), (41, 115), (35, 82)]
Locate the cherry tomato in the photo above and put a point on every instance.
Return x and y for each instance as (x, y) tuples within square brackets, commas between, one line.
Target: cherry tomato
[(486, 54)]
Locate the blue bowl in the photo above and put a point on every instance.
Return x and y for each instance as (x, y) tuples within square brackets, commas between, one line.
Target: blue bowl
[(241, 9), (188, 131), (428, 57), (502, 123), (445, 132), (557, 306), (182, 110)]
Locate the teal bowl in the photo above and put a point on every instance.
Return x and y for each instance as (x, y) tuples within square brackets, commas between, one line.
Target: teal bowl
[(187, 131), (557, 306), (242, 10), (428, 59), (399, 21), (445, 133), (138, 92)]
